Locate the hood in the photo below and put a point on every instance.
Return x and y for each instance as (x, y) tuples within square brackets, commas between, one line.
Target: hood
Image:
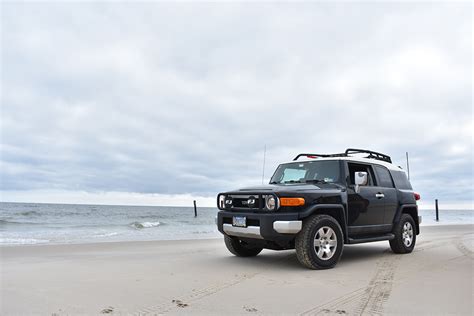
[(297, 187)]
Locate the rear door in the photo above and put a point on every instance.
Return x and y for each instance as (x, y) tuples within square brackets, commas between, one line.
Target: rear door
[(385, 181)]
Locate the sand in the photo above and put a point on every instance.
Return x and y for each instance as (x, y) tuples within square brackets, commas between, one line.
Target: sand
[(202, 277)]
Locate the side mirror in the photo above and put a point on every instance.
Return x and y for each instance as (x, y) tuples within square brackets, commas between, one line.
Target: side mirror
[(361, 178)]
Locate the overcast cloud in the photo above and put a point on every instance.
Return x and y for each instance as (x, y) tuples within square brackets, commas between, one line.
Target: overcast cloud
[(161, 99)]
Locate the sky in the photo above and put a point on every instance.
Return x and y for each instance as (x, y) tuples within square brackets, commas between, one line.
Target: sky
[(162, 103)]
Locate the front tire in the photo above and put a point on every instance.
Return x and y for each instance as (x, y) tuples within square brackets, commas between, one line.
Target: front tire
[(240, 248), (405, 235), (320, 243)]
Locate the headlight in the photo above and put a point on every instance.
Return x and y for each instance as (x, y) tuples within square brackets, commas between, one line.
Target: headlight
[(271, 203), (221, 202)]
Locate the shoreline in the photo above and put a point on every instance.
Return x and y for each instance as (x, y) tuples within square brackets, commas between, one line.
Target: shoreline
[(107, 242), (170, 240)]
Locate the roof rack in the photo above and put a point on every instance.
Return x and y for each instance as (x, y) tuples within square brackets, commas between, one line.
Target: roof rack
[(350, 151)]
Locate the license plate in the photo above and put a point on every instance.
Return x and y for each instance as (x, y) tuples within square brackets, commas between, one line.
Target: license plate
[(239, 221)]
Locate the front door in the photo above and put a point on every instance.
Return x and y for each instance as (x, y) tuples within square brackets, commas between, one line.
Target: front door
[(366, 207)]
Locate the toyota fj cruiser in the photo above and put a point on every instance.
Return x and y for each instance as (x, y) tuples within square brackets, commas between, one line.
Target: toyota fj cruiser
[(319, 203)]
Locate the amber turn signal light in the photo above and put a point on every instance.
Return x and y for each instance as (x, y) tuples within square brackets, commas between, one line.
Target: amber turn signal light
[(290, 201)]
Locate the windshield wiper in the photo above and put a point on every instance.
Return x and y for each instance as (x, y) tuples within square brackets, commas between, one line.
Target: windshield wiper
[(274, 182), (292, 181), (316, 181)]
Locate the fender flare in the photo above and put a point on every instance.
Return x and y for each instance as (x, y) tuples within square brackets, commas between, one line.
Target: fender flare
[(399, 213), (337, 207)]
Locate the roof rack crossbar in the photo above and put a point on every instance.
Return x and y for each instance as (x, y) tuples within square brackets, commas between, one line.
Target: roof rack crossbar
[(349, 151), (372, 154), (319, 155)]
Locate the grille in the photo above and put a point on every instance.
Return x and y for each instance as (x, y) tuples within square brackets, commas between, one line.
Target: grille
[(240, 201), (248, 202)]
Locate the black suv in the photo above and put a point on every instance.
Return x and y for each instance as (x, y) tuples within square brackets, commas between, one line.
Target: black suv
[(319, 203)]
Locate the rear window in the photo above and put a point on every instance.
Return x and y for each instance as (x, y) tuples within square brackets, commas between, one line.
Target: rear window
[(401, 180)]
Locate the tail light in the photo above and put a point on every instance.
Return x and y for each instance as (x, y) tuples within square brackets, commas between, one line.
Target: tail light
[(417, 196)]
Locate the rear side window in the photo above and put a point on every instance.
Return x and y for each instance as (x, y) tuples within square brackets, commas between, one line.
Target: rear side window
[(385, 180), (401, 180)]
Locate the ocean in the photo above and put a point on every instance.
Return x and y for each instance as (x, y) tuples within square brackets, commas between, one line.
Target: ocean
[(30, 223)]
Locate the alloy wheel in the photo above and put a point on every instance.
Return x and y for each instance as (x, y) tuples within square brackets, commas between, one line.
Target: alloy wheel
[(325, 243)]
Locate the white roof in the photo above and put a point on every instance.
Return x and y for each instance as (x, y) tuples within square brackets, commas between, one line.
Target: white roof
[(352, 158)]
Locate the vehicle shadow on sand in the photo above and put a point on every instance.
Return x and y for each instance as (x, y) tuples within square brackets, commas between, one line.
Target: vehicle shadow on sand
[(287, 259)]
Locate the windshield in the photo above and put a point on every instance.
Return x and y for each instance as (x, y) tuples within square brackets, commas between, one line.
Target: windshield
[(309, 171)]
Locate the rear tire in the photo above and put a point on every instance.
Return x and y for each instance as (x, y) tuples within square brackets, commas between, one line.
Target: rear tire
[(240, 248), (320, 243), (405, 235)]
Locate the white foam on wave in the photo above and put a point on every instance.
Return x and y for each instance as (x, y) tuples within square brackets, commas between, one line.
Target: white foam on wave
[(106, 235), (22, 241), (140, 225)]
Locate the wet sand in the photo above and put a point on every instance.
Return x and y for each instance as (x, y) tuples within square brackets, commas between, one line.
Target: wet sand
[(202, 277)]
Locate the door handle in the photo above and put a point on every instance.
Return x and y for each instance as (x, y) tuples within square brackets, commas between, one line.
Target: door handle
[(379, 195)]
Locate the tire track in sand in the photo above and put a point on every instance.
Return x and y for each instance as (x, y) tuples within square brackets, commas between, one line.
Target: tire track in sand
[(370, 300), (197, 295), (459, 243), (367, 300), (461, 246), (341, 305), (380, 286)]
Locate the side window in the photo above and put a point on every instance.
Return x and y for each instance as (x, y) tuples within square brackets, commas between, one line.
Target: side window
[(353, 168), (385, 180)]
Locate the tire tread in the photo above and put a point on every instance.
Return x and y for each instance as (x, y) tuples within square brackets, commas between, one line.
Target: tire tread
[(396, 244), (304, 242)]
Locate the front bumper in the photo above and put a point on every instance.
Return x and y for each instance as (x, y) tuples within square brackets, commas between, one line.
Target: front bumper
[(267, 226)]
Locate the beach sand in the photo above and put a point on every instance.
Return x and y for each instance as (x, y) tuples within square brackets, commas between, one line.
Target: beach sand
[(202, 277)]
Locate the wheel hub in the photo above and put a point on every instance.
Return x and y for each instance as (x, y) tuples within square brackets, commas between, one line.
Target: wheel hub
[(325, 243), (407, 234)]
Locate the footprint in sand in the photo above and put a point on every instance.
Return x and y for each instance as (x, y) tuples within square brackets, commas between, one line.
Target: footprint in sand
[(108, 310), (250, 309), (180, 303)]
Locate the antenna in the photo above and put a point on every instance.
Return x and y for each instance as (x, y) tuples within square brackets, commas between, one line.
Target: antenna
[(264, 154), (408, 167)]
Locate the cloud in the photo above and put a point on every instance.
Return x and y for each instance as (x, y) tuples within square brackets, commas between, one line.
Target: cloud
[(180, 99)]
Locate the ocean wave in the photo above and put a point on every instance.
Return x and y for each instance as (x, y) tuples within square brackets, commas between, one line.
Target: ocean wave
[(29, 213), (140, 225), (106, 235), (5, 222), (22, 241)]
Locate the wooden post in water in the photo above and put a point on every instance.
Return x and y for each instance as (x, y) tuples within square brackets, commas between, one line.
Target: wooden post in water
[(437, 211), (195, 209)]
